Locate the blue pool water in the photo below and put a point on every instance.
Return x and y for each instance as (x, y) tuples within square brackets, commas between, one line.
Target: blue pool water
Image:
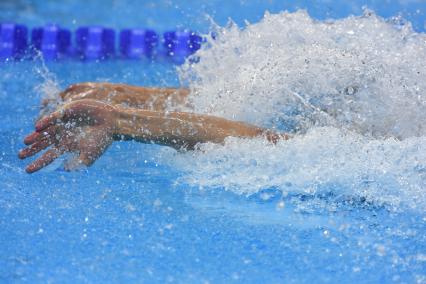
[(343, 202)]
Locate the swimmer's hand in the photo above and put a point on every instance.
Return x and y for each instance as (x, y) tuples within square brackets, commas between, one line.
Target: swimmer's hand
[(158, 99), (76, 92), (84, 127)]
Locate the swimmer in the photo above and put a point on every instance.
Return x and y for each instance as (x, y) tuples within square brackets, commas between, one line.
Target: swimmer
[(91, 116)]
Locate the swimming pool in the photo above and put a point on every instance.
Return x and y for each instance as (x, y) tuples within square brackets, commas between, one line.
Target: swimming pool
[(342, 203)]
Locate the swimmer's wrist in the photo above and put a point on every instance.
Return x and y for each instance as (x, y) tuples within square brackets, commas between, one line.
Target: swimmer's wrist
[(119, 123), (127, 124)]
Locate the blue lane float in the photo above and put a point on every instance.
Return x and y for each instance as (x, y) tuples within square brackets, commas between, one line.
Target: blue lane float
[(138, 43), (52, 41), (181, 43), (95, 43), (13, 41)]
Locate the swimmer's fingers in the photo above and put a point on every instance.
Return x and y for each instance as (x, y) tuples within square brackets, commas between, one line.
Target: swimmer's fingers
[(48, 157), (49, 120), (60, 116), (63, 115), (90, 149), (49, 132), (85, 158), (35, 148), (38, 141), (31, 138), (94, 147)]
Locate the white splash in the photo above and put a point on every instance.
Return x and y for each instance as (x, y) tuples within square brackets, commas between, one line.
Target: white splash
[(48, 90), (324, 159), (353, 88), (361, 73)]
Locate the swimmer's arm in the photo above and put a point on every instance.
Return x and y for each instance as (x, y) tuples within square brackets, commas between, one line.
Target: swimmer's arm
[(88, 127), (151, 123), (131, 96), (180, 129)]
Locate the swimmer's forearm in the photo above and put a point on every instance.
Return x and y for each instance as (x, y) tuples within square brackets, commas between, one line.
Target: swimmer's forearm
[(131, 96), (179, 129)]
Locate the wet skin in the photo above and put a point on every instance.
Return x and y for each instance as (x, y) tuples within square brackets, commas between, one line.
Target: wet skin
[(93, 115)]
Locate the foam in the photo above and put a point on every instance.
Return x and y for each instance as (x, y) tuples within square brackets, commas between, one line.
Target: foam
[(361, 73), (323, 160), (352, 89)]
